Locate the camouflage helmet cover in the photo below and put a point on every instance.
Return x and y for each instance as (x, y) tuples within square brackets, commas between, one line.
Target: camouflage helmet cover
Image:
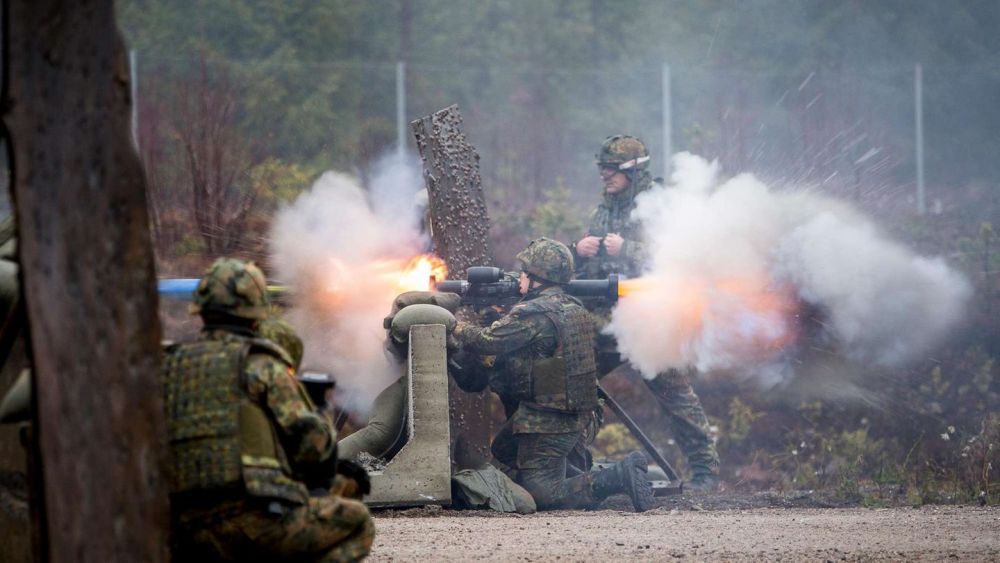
[(282, 334), (232, 287), (547, 259), (624, 152)]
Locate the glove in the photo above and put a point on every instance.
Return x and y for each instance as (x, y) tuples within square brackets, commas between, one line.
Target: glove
[(352, 480), (488, 316)]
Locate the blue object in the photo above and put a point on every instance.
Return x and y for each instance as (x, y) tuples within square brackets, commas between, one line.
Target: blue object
[(178, 288)]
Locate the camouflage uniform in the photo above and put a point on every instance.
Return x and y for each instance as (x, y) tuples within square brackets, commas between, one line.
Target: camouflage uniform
[(672, 388), (545, 374), (536, 440), (245, 442), (15, 407), (282, 334)]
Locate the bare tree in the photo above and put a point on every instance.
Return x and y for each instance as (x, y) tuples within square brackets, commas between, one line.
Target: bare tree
[(217, 157), (153, 150)]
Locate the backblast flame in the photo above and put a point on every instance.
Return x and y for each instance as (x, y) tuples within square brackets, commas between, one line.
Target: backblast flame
[(712, 322), (629, 287), (375, 282), (417, 274)]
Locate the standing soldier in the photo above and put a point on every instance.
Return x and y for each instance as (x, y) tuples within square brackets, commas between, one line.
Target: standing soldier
[(545, 374), (245, 444), (613, 245)]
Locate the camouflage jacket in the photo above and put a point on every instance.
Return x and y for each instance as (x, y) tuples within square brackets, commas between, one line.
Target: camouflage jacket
[(517, 340), (613, 215), (305, 439)]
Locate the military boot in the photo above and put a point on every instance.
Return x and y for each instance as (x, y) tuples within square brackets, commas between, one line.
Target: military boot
[(703, 483), (704, 473), (627, 476)]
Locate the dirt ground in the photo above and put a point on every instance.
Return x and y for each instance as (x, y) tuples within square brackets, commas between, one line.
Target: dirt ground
[(760, 527)]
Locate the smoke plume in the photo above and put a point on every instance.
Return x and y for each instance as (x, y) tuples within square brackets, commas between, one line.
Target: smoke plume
[(342, 251), (747, 279)]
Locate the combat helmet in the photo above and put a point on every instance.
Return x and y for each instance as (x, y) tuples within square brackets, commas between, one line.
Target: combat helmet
[(232, 287), (548, 260), (624, 153)]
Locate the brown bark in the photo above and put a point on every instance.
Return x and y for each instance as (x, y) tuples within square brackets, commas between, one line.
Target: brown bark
[(88, 282), (461, 230), (460, 222)]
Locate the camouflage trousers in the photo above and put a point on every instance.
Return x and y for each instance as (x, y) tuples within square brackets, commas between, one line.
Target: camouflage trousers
[(328, 528), (685, 415), (538, 462)]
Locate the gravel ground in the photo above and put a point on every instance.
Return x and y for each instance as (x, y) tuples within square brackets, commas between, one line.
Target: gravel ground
[(930, 533)]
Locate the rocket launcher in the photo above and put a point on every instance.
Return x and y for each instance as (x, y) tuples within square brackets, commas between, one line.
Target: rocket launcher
[(486, 286)]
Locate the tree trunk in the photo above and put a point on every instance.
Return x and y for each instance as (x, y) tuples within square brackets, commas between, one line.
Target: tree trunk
[(455, 192), (88, 282), (461, 229)]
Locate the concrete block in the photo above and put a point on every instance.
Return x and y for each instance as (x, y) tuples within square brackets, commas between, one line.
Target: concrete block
[(420, 473)]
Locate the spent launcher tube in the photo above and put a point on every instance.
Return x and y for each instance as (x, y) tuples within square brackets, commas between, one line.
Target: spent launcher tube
[(486, 286)]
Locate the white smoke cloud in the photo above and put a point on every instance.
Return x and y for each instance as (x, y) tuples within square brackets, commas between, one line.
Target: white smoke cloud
[(732, 266), (338, 248)]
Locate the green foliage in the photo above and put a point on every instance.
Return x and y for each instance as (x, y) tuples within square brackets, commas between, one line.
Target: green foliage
[(614, 441), (979, 463), (280, 182), (983, 378), (782, 88), (741, 417), (559, 216), (542, 83)]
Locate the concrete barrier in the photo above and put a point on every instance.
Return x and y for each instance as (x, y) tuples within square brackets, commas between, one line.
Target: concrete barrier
[(420, 473)]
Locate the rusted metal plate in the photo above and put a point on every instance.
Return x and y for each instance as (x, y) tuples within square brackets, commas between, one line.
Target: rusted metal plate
[(88, 281)]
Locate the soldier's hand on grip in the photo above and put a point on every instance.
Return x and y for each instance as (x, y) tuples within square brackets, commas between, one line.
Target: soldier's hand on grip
[(588, 246), (490, 315), (613, 244)]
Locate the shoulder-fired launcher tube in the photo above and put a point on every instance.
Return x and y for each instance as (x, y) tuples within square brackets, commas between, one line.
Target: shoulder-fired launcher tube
[(484, 281), (606, 289)]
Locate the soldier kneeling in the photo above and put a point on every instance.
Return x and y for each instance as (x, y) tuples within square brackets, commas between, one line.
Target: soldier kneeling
[(246, 445), (545, 374)]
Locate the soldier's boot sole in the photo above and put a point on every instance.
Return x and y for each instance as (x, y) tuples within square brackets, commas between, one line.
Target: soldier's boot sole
[(637, 486)]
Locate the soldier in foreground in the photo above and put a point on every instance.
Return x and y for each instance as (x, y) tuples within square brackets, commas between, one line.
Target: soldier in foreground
[(613, 245), (245, 444), (545, 374), (15, 406)]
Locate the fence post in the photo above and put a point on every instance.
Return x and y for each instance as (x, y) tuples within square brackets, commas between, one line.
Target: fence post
[(918, 94), (401, 107), (668, 125)]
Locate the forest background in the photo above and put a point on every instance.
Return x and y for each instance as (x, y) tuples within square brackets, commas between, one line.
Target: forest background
[(242, 104)]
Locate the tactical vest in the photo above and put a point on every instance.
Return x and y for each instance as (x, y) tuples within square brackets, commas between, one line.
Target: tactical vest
[(613, 215), (567, 381), (219, 438)]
